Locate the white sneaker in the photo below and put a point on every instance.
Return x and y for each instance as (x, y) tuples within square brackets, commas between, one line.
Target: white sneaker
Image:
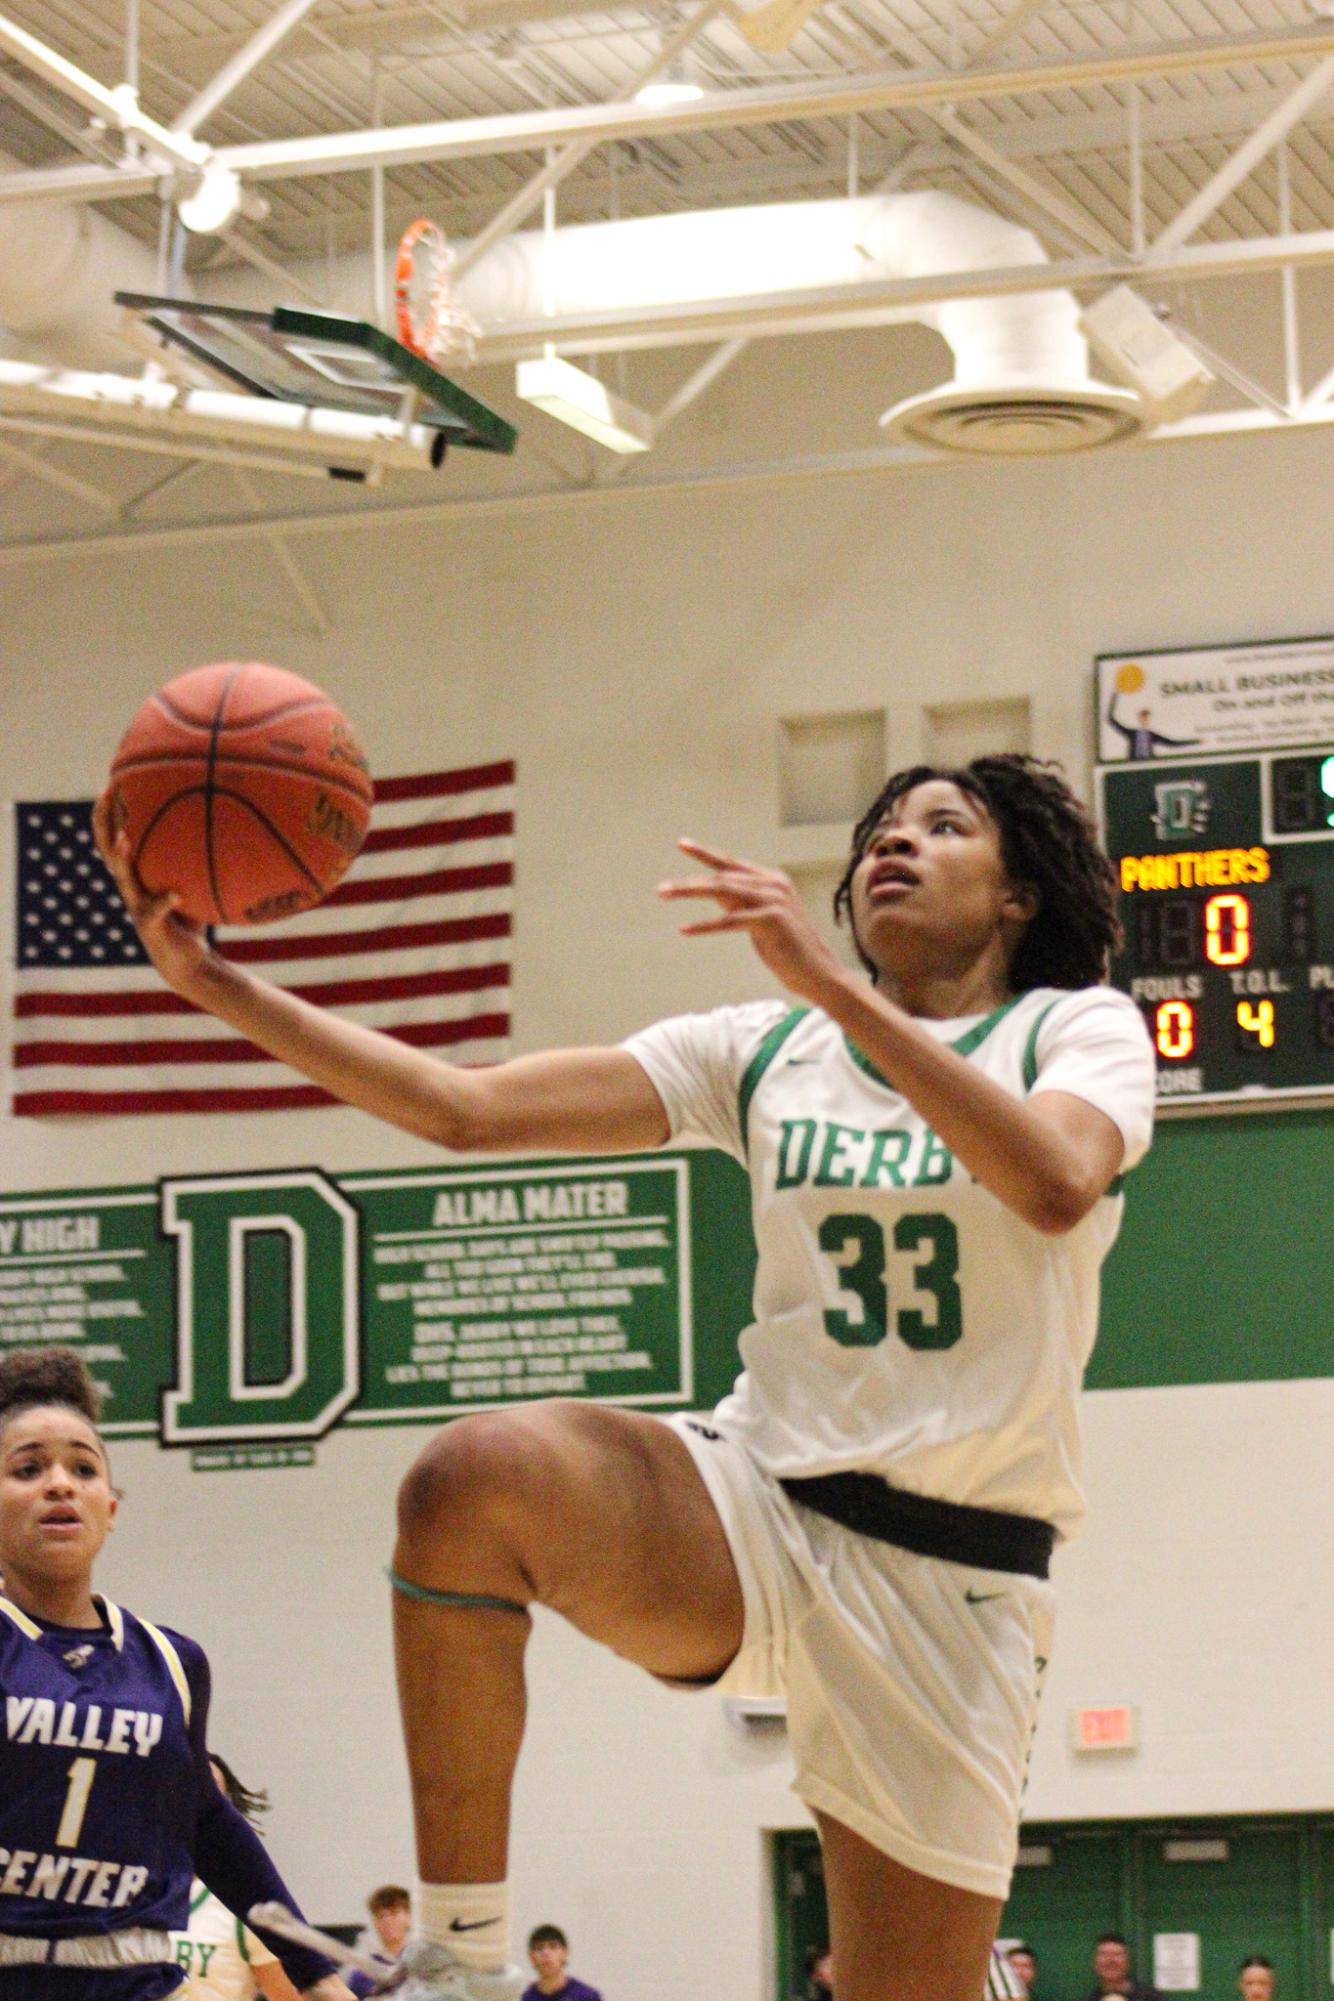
[(429, 1972), (424, 1970)]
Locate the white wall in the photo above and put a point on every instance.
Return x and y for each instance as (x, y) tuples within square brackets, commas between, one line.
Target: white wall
[(633, 653)]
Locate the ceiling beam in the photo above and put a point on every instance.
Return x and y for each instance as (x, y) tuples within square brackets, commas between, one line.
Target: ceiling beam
[(1247, 157), (33, 466), (119, 107), (831, 97), (234, 73), (1073, 221), (1010, 25), (298, 235), (564, 159)]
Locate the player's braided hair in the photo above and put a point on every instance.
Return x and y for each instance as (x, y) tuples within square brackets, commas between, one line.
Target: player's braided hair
[(1047, 839), (32, 1377)]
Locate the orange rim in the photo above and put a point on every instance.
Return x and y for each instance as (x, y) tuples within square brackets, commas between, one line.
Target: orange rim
[(418, 335)]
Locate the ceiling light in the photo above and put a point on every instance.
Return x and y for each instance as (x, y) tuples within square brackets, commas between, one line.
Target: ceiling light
[(578, 399), (213, 203), (674, 86)]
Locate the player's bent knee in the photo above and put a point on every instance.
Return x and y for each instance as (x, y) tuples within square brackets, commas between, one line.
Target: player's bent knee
[(475, 1472)]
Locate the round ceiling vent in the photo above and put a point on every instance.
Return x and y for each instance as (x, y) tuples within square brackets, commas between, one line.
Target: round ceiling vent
[(1017, 419)]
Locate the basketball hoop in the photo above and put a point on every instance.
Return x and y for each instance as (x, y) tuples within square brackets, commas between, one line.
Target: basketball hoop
[(430, 319)]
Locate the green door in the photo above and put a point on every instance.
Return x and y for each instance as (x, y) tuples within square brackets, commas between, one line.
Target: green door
[(1263, 1885), (1070, 1885), (801, 1913), (1239, 1889), (1320, 1926)]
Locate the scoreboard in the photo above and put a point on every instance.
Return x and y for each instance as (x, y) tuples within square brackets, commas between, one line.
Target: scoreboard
[(1226, 868)]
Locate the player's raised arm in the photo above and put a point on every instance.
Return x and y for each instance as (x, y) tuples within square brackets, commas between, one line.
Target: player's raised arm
[(573, 1100), (939, 917)]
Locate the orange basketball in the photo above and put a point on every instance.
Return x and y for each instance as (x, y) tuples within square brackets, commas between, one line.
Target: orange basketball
[(244, 789)]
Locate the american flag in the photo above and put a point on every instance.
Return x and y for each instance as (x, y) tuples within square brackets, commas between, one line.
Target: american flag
[(415, 941)]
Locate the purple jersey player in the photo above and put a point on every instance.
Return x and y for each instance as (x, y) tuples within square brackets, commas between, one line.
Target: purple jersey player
[(107, 1804)]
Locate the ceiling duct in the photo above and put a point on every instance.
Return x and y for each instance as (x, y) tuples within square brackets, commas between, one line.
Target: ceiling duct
[(1020, 381), (59, 265)]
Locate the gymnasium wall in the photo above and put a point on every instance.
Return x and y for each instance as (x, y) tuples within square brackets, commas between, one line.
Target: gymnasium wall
[(633, 653)]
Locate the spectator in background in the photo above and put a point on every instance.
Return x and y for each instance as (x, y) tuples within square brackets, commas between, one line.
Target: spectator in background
[(820, 1974), (391, 1915), (1111, 1964), (1024, 1962), (1255, 1979), (1003, 1983), (549, 1951)]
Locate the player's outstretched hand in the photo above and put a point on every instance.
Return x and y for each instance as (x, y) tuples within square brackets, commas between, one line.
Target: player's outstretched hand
[(763, 902), (177, 947)]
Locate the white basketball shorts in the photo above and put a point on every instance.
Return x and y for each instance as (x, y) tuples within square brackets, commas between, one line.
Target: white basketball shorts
[(911, 1683)]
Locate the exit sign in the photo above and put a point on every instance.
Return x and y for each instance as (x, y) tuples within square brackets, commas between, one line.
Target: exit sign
[(1111, 1728)]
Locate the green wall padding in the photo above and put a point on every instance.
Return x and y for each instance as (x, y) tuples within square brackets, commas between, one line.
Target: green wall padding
[(1224, 1270)]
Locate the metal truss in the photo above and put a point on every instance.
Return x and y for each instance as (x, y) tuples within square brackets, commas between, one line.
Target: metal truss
[(462, 138), (168, 160)]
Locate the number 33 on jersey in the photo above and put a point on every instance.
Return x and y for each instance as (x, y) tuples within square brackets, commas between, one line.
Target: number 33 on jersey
[(906, 1322)]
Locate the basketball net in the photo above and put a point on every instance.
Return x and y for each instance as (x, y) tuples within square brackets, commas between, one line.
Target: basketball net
[(430, 319)]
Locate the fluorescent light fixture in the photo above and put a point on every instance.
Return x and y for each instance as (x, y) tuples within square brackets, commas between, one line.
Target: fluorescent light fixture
[(578, 399), (675, 86), (213, 203)]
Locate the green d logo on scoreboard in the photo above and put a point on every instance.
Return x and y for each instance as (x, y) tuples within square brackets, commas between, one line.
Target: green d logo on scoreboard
[(1181, 809)]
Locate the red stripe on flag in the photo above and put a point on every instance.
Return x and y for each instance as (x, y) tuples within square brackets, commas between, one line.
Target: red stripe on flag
[(438, 882), (325, 993), (389, 938), (251, 1098), (442, 784), (216, 1049), (438, 833), (282, 1098)]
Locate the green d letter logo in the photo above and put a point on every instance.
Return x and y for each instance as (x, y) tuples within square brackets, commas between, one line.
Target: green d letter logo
[(266, 1306)]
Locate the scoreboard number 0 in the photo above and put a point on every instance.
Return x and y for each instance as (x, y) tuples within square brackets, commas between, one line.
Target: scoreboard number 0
[(1227, 930), (1175, 1026)]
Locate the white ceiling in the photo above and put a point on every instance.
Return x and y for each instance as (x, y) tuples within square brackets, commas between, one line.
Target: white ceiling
[(1100, 166), (428, 60)]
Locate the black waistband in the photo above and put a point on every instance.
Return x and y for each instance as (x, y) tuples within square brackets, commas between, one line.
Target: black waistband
[(983, 1537)]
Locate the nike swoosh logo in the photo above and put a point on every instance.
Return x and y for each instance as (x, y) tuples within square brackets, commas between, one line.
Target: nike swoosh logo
[(982, 1597), (806, 1061), (478, 1924)]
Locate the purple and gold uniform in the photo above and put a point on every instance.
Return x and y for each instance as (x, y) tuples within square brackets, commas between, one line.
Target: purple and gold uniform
[(108, 1809)]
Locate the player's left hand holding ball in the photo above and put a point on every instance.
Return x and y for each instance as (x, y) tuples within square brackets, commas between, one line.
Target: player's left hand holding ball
[(178, 948)]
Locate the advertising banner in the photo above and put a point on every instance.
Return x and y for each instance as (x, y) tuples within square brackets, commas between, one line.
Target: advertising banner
[(1246, 697)]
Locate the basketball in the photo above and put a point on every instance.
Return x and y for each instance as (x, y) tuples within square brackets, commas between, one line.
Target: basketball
[(244, 789)]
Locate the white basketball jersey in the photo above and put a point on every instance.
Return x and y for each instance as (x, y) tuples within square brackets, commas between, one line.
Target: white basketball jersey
[(217, 1951), (906, 1321)]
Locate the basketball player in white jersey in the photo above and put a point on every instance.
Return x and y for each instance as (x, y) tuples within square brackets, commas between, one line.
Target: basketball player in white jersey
[(935, 1156)]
